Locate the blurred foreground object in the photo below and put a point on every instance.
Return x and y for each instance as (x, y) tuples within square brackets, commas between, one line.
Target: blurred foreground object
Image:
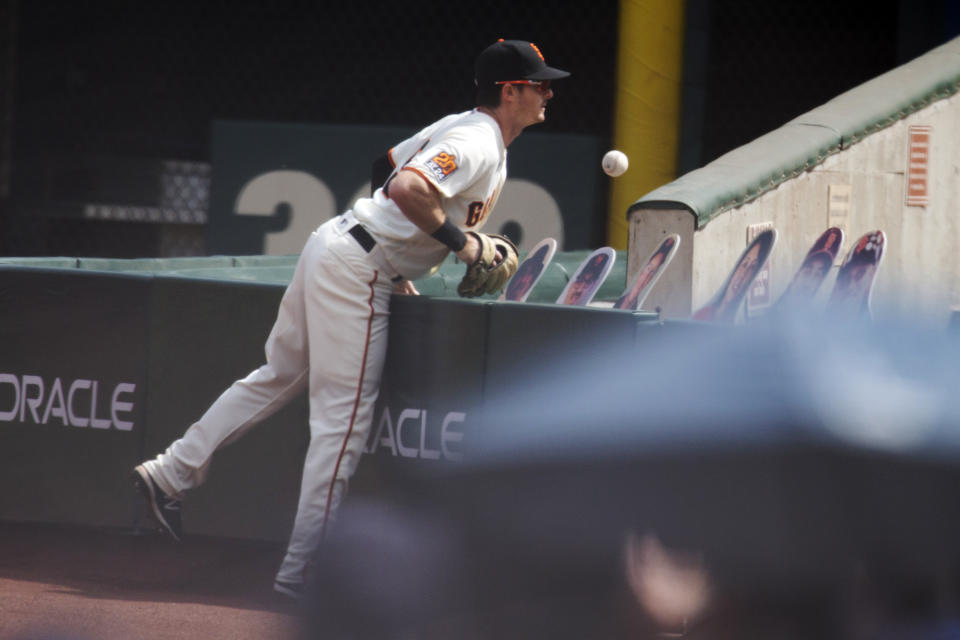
[(813, 469)]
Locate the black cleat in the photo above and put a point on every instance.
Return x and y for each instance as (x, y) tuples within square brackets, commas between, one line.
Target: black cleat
[(290, 589), (165, 510)]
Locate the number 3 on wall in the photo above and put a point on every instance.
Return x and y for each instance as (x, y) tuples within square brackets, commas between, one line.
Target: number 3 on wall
[(310, 200), (523, 206)]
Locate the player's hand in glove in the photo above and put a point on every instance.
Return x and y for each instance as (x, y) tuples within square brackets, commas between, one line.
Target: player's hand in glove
[(495, 264)]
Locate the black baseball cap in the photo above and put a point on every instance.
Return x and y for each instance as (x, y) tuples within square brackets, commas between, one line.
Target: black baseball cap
[(507, 60)]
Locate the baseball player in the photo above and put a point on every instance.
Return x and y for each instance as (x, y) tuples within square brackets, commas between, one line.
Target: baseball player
[(331, 329)]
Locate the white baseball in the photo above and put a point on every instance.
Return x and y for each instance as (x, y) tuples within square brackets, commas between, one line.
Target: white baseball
[(615, 163)]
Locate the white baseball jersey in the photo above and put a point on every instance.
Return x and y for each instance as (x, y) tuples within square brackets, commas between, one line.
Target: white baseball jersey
[(464, 157)]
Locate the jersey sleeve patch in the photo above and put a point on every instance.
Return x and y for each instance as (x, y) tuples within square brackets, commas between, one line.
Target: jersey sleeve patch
[(441, 166)]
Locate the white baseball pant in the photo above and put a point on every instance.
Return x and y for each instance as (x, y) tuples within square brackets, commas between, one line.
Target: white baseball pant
[(330, 335)]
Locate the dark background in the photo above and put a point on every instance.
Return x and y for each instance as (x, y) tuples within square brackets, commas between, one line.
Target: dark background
[(94, 95)]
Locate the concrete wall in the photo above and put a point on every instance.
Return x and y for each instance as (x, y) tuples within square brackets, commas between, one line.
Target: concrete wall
[(648, 228), (921, 269), (787, 178)]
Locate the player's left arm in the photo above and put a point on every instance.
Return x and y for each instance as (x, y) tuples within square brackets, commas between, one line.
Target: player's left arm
[(420, 202)]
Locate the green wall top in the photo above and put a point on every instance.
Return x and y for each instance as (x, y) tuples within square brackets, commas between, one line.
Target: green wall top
[(745, 173)]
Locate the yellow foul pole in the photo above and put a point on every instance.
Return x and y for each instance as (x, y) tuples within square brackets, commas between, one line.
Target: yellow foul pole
[(647, 104)]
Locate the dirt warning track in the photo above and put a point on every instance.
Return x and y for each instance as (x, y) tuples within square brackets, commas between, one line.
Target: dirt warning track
[(70, 583)]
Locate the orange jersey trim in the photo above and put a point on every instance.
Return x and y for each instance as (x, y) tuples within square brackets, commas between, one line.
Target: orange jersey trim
[(422, 175)]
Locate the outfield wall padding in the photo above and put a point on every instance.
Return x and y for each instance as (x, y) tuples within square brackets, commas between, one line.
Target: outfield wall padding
[(204, 335), (172, 342), (73, 387)]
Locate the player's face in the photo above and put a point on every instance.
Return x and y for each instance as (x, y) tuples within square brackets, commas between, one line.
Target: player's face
[(533, 101), (859, 278), (648, 271), (578, 291), (524, 279), (744, 272), (860, 272), (810, 276)]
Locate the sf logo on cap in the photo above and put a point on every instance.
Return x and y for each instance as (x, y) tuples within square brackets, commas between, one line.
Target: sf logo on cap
[(537, 49)]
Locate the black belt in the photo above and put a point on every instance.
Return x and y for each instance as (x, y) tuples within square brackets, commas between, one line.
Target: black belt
[(363, 237), (365, 240)]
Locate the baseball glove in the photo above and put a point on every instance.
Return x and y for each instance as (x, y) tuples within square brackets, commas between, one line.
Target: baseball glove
[(496, 264)]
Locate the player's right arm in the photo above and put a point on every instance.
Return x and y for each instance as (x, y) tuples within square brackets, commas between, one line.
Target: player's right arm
[(419, 201)]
